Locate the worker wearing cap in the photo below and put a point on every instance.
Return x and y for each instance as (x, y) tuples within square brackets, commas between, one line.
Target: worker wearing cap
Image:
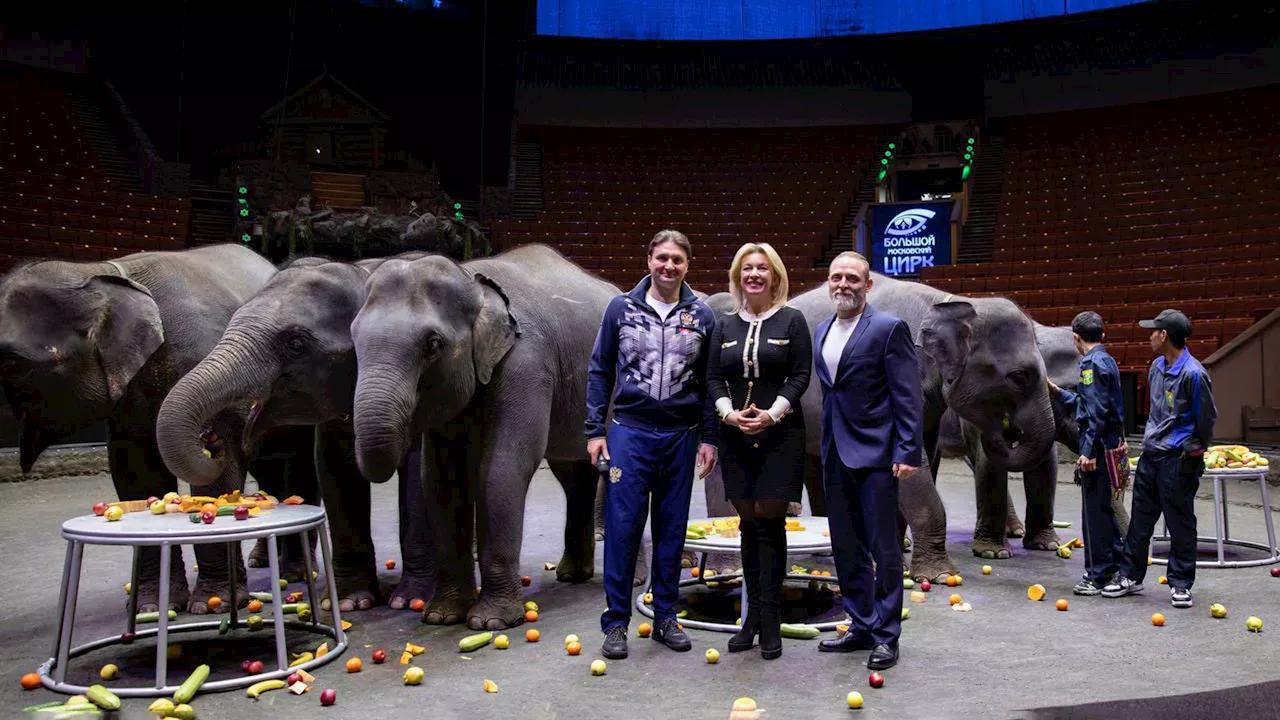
[(1099, 412), (1179, 428)]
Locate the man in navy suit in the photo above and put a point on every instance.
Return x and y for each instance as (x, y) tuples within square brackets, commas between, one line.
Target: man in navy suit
[(871, 409)]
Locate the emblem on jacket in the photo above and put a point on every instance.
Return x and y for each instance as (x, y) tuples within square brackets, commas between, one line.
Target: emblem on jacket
[(1086, 376), (687, 319), (615, 474)]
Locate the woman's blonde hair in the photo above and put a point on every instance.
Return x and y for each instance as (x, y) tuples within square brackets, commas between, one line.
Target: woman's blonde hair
[(780, 284)]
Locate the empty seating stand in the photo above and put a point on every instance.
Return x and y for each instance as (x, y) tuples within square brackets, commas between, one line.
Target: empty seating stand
[(55, 202), (607, 191)]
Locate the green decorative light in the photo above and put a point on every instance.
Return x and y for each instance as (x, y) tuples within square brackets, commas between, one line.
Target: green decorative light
[(244, 212), (457, 206), (244, 190), (884, 162), (888, 153), (242, 201), (970, 141), (245, 237), (882, 175), (893, 146), (457, 216), (964, 174), (968, 156)]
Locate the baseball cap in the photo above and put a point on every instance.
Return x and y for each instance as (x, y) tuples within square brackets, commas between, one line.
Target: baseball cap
[(1170, 320)]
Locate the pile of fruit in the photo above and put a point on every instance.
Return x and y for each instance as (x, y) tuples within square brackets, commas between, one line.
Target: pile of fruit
[(198, 507), (1227, 457), (724, 527)]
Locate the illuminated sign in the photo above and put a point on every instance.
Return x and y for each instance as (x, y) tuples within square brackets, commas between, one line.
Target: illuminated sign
[(908, 237)]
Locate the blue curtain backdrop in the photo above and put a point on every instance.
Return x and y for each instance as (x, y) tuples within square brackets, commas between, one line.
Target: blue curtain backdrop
[(778, 19)]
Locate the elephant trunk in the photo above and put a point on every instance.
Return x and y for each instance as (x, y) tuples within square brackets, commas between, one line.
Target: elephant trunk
[(385, 401), (1034, 421), (229, 374)]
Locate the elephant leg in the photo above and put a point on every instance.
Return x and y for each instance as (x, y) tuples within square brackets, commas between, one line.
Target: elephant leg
[(450, 522), (920, 503), (301, 478), (270, 473), (991, 485), (347, 504), (579, 479), (514, 441), (138, 472), (719, 506), (418, 575), (1013, 527), (1041, 484)]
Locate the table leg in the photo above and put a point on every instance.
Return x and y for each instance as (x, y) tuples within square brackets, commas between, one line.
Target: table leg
[(162, 627), (311, 581), (232, 601), (69, 611), (62, 602), (1266, 512), (1217, 510), (273, 556), (131, 625), (1226, 516), (326, 556)]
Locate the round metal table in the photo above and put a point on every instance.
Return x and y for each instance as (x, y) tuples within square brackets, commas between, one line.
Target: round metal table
[(813, 539), (1222, 527), (140, 529)]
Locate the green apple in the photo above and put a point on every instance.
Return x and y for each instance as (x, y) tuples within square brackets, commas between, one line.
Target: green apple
[(1217, 610)]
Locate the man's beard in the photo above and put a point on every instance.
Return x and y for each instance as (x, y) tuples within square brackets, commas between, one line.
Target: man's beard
[(847, 302)]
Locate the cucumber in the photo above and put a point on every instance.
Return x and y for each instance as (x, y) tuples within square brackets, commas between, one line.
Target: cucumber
[(1061, 523), (102, 697), (43, 706), (188, 689), (153, 616), (799, 630), (224, 627), (261, 596), (226, 510), (293, 607), (471, 643)]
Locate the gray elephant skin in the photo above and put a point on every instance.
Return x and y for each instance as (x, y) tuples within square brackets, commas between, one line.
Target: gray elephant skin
[(82, 343), (488, 361), (286, 359), (979, 359)]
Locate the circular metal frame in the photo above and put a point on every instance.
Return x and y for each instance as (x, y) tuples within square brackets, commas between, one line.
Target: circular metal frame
[(1222, 523)]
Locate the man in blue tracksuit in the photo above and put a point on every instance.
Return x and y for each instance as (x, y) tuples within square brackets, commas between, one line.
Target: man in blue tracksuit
[(650, 359), (1179, 428), (1099, 411)]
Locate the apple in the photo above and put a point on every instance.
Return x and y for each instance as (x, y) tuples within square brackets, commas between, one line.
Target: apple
[(244, 666), (1217, 610), (157, 507), (526, 580), (1253, 623), (597, 667), (255, 667), (926, 586), (379, 656), (114, 513), (1275, 572), (241, 512), (207, 516), (100, 508), (391, 564), (502, 642), (151, 499), (127, 638), (294, 678), (876, 680), (172, 497), (713, 656), (854, 699), (328, 697)]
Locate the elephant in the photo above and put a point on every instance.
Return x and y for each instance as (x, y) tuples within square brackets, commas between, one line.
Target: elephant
[(980, 360), (487, 360), (286, 359), (88, 342)]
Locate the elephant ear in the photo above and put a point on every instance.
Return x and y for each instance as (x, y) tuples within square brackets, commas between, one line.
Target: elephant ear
[(945, 335), (128, 332), (495, 330)]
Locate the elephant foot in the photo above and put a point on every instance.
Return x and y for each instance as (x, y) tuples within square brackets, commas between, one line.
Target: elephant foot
[(207, 588), (491, 613), (934, 570), (355, 592), (988, 549), (149, 594), (688, 559), (258, 557), (723, 564), (414, 587), (574, 570), (1046, 539), (1014, 528)]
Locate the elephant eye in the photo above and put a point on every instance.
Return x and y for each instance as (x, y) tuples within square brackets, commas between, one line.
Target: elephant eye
[(1019, 378), (295, 346), (432, 343)]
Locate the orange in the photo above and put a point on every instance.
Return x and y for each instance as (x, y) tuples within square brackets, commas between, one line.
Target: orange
[(951, 581), (644, 630), (1158, 619), (1061, 604), (532, 635), (955, 599), (209, 507), (695, 572), (531, 616), (574, 648), (214, 602), (417, 605), (30, 681), (255, 605), (354, 665)]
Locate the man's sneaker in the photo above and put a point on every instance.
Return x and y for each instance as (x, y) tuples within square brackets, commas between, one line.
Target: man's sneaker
[(1087, 587), (1181, 597), (1120, 587), (615, 643), (669, 633)]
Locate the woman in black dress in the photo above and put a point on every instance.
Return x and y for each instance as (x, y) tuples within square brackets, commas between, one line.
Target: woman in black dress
[(761, 357)]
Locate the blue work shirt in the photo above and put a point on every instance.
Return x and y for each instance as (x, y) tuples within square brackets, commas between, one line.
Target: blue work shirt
[(1182, 411), (1098, 404)]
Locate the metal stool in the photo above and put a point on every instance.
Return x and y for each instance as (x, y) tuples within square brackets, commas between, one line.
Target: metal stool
[(1222, 526), (168, 531)]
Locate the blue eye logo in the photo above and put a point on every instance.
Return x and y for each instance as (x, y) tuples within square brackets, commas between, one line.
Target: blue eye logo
[(909, 222)]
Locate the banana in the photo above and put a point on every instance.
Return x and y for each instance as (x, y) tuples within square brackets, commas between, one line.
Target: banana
[(300, 658), (257, 689)]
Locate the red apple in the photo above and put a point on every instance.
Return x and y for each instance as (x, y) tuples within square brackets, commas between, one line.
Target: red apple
[(207, 517), (100, 508), (525, 580), (244, 665), (151, 499), (925, 586), (294, 678), (876, 680), (293, 597), (241, 512), (1275, 572), (328, 697), (391, 564), (127, 638), (379, 656), (255, 667)]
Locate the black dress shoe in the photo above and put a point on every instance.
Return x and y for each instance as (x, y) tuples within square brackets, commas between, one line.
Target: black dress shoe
[(846, 643), (883, 657), (670, 633), (615, 643)]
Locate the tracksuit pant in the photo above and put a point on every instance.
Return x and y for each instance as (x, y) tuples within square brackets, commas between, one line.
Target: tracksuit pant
[(650, 468), (1103, 542), (1165, 483)]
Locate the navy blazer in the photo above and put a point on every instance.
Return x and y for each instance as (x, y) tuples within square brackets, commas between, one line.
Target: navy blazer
[(872, 409)]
